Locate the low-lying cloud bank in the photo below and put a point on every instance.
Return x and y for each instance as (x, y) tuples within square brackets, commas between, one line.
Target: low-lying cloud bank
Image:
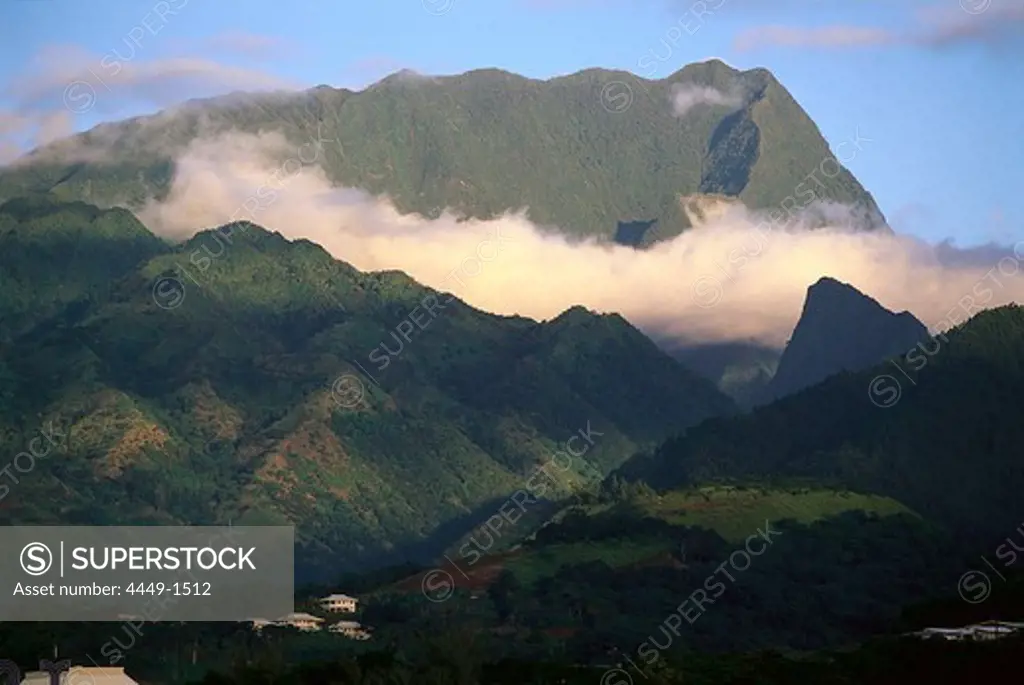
[(735, 277)]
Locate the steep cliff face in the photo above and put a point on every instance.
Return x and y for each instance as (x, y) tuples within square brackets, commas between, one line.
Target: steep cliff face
[(841, 329)]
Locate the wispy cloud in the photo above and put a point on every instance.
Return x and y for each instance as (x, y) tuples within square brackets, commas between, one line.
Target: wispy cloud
[(63, 82), (687, 96), (821, 37), (249, 44), (988, 23), (158, 81), (39, 128)]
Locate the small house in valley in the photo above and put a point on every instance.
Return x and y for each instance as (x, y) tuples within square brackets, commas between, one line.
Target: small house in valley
[(300, 620), (83, 675), (350, 629), (988, 630), (339, 603)]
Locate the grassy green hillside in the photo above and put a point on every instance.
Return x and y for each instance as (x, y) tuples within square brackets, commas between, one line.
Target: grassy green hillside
[(487, 140), (798, 567), (733, 512), (228, 397), (730, 512)]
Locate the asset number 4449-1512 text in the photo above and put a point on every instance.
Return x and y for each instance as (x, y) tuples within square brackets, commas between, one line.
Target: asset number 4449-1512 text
[(178, 589)]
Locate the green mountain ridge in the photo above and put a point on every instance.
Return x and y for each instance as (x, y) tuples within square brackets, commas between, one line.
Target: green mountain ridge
[(938, 433), (222, 402), (73, 250), (431, 143)]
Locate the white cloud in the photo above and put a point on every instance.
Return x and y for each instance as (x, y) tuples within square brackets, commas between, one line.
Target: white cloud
[(728, 279), (687, 96), (971, 22)]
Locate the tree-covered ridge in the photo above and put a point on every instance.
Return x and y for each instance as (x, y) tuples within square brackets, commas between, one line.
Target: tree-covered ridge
[(786, 567), (937, 429), (487, 141), (211, 382), (53, 254)]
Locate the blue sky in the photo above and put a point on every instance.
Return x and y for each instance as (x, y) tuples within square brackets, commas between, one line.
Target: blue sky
[(935, 85)]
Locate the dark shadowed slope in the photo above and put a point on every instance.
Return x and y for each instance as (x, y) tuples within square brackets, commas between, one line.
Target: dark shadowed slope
[(942, 435), (841, 329)]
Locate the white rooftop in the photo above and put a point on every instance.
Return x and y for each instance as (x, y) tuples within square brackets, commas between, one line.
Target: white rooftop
[(947, 630), (83, 675), (300, 616)]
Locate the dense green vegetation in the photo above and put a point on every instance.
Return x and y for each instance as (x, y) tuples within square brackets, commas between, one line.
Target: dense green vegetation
[(439, 645), (52, 255), (612, 578), (487, 141), (890, 662), (947, 445), (216, 399)]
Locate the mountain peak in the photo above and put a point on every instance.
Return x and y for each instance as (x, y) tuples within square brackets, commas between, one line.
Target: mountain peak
[(709, 66), (828, 281), (576, 311), (829, 287), (832, 299), (841, 329)]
